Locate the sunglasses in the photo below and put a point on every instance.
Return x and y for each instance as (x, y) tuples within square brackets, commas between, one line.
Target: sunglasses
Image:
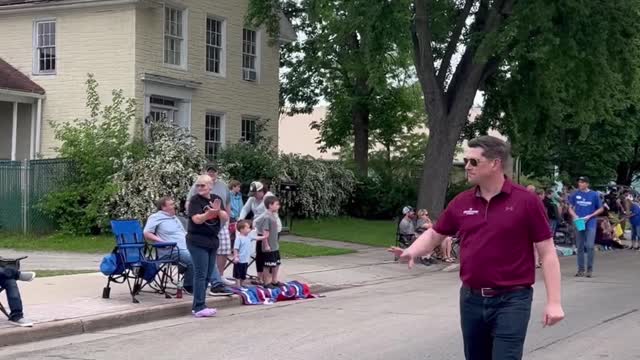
[(472, 162), (201, 185)]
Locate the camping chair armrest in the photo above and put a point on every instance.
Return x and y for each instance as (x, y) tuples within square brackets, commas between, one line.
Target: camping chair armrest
[(130, 246), (164, 244)]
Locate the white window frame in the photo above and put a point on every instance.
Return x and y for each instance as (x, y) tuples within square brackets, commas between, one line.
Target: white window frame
[(257, 56), (222, 132), (255, 120), (223, 47), (185, 36), (36, 55)]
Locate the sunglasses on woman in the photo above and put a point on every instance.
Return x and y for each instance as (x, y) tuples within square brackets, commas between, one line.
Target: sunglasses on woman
[(201, 185)]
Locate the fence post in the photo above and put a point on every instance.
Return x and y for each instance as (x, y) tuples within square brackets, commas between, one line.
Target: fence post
[(24, 186)]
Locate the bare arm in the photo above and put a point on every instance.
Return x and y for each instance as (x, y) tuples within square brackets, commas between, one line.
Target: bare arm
[(199, 218), (245, 209), (596, 213), (550, 269), (424, 244), (551, 274), (223, 215), (152, 237), (265, 244), (572, 212)]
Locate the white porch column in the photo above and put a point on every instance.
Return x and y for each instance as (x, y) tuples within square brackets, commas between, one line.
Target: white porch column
[(14, 131), (32, 132), (38, 128)]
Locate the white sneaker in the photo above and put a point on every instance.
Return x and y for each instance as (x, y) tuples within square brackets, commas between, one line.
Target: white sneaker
[(26, 276), (22, 322), (228, 282)]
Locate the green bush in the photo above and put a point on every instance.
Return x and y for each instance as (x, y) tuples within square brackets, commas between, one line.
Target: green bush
[(324, 187), (95, 145), (378, 197), (172, 162)]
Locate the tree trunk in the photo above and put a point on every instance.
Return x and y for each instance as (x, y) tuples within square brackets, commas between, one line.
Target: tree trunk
[(360, 117), (432, 190), (624, 176)]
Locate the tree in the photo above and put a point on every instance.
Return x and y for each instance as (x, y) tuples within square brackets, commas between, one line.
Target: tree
[(567, 59), (95, 145), (576, 85), (351, 53), (572, 60)]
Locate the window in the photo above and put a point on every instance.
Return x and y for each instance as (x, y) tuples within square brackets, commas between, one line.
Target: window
[(45, 47), (248, 133), (162, 108), (249, 55), (212, 135), (174, 40), (215, 50)]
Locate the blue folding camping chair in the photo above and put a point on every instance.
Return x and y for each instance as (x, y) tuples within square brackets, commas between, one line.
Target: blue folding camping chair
[(139, 267)]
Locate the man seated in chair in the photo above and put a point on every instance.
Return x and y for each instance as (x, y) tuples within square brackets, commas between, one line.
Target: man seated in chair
[(8, 277), (164, 226), (407, 227)]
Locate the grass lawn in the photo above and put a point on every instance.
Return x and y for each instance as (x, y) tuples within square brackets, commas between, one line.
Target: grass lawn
[(292, 250), (380, 233), (58, 242), (104, 244)]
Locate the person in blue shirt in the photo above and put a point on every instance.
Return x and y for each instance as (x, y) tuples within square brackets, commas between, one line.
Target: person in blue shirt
[(634, 219), (585, 204), (243, 248), (236, 200)]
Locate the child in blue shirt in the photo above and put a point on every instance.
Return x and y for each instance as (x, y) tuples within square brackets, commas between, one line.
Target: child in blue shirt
[(242, 250), (236, 199)]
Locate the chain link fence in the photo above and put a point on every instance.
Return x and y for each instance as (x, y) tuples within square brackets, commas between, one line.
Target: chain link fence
[(23, 184)]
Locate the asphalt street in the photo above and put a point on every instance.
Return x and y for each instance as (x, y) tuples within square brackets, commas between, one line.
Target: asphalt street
[(407, 317)]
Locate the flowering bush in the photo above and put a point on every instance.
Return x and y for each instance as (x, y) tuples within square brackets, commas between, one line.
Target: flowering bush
[(172, 162), (324, 187)]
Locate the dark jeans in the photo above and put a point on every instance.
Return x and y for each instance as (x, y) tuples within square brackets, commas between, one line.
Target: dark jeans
[(8, 277), (204, 261), (495, 328), (183, 257)]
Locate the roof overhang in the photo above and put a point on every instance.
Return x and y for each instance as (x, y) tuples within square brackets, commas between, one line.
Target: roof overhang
[(30, 5), (166, 80)]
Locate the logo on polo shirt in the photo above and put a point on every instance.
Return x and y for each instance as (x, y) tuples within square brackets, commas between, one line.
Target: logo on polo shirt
[(471, 211)]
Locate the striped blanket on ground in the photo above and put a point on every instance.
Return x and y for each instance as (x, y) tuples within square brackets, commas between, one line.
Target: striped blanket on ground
[(258, 295)]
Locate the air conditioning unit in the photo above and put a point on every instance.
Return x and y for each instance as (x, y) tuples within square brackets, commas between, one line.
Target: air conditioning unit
[(249, 75)]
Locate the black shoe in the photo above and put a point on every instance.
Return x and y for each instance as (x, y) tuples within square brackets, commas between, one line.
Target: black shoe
[(580, 274), (220, 291), (188, 291), (589, 274)]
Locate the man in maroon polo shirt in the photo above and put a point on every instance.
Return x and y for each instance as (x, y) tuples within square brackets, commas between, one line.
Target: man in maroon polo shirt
[(498, 223)]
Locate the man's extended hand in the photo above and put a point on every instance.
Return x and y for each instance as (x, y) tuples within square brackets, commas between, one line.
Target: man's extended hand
[(402, 255), (553, 314)]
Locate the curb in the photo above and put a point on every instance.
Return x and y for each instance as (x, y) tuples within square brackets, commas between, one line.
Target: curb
[(69, 327), (89, 324)]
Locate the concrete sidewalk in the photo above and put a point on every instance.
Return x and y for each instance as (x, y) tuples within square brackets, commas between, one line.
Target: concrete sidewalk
[(67, 305)]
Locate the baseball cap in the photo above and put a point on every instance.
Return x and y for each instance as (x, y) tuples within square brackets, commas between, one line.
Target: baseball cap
[(406, 210), (256, 186), (583, 179)]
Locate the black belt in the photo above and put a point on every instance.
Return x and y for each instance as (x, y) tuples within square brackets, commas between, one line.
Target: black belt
[(491, 292)]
